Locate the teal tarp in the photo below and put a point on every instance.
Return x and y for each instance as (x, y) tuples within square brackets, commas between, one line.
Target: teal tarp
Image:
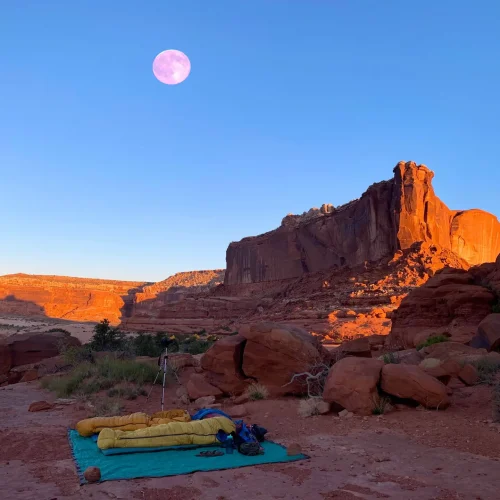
[(165, 463)]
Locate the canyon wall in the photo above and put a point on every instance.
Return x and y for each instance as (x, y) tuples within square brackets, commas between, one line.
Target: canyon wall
[(391, 215), (77, 299), (83, 299)]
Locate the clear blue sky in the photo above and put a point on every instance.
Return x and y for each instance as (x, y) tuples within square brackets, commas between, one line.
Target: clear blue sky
[(105, 172)]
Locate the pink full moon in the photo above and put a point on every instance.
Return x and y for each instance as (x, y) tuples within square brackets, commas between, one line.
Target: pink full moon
[(171, 67)]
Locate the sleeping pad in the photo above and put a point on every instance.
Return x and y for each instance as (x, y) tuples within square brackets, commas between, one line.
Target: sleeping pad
[(132, 422), (198, 432)]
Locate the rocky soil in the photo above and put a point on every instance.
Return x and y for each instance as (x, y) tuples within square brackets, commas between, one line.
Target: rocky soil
[(405, 454)]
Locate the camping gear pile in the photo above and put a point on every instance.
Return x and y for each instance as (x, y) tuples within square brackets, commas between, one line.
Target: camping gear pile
[(173, 429)]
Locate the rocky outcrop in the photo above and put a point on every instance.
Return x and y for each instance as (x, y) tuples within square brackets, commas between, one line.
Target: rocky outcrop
[(389, 216), (28, 348), (456, 303), (274, 353), (352, 383), (267, 353)]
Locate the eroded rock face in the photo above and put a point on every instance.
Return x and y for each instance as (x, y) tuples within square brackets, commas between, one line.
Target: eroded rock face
[(352, 383), (450, 304), (411, 382), (223, 363), (390, 215)]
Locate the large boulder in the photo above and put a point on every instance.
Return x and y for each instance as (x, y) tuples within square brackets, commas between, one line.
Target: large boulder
[(453, 350), (32, 347), (357, 347), (274, 353), (411, 382), (223, 364), (488, 332), (352, 383)]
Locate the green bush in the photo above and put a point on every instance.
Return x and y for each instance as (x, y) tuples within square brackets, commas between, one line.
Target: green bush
[(106, 338), (88, 378), (486, 369), (436, 339), (391, 358)]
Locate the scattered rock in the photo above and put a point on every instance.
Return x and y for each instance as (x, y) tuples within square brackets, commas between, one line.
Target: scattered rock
[(92, 474), (345, 414), (238, 411), (198, 387), (455, 383), (30, 375), (204, 401), (181, 360), (40, 406), (411, 382), (294, 449), (442, 370), (324, 407), (469, 375), (241, 399), (352, 383)]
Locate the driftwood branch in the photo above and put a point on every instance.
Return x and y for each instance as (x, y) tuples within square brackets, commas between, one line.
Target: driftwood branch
[(318, 379)]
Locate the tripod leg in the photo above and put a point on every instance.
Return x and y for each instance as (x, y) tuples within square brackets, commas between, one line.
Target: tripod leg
[(151, 390), (164, 377)]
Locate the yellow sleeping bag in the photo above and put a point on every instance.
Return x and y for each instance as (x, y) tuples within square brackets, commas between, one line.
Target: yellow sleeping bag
[(94, 425), (131, 422), (165, 417), (200, 432)]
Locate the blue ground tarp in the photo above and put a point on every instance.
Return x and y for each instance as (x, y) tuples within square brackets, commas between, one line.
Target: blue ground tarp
[(171, 462)]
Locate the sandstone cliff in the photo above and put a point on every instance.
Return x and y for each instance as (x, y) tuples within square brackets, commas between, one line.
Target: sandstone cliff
[(83, 299), (389, 216)]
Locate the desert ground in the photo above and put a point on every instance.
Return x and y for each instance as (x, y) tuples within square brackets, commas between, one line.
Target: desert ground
[(405, 454), (10, 325)]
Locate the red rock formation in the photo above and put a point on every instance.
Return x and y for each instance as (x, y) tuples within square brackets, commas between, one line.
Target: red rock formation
[(390, 215), (83, 299), (453, 303)]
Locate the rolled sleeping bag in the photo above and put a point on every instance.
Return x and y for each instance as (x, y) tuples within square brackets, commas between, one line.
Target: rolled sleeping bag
[(198, 432)]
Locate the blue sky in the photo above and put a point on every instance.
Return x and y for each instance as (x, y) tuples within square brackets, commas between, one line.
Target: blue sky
[(106, 172)]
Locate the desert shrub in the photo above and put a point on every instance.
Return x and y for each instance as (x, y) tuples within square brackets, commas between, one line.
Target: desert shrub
[(391, 358), (495, 308), (107, 407), (60, 330), (256, 392), (107, 338), (196, 346), (436, 339), (313, 380), (146, 345), (309, 407), (74, 355), (486, 369), (88, 378), (127, 392), (381, 405)]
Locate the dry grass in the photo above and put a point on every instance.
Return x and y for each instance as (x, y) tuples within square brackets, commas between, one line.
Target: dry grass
[(257, 391), (309, 407)]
